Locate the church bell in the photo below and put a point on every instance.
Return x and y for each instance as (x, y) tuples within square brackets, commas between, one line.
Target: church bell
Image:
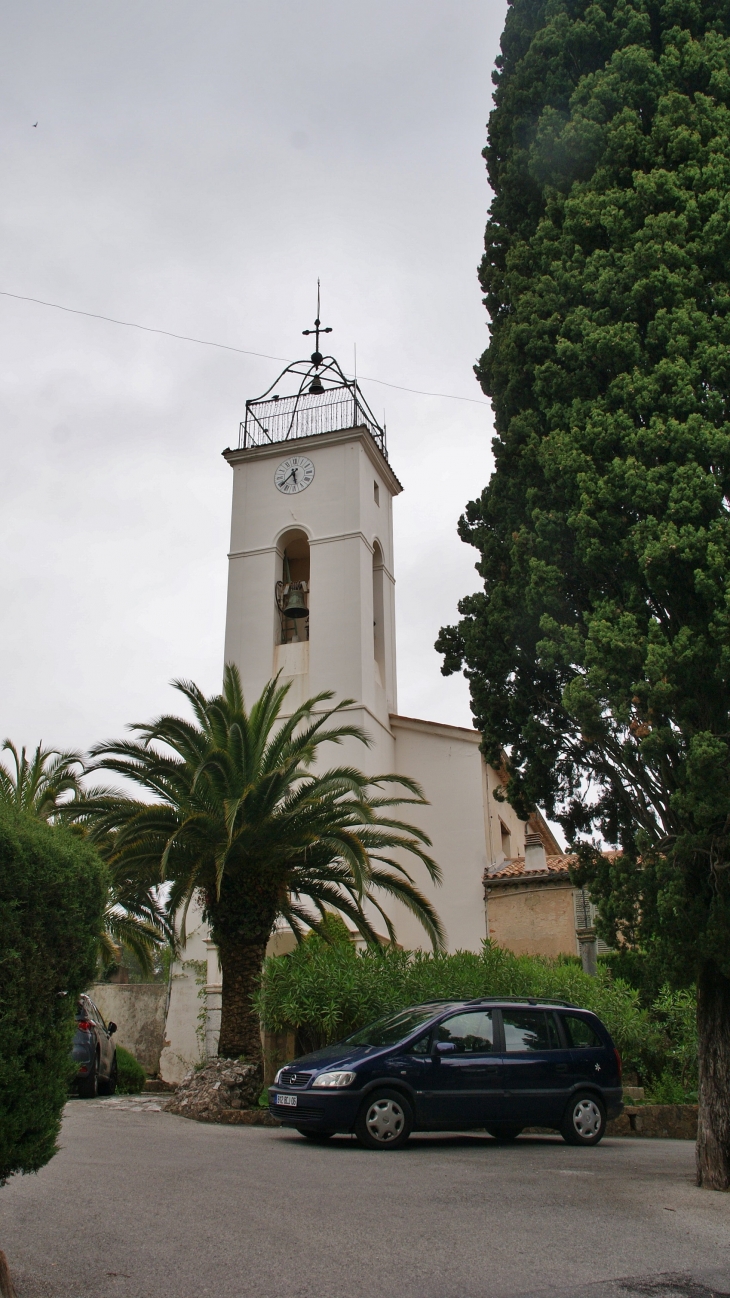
[(294, 605)]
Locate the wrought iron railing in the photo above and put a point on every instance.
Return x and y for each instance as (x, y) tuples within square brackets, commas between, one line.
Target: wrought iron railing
[(284, 419)]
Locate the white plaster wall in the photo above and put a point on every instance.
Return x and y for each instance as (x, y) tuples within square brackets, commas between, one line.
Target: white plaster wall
[(447, 762), (184, 1043), (494, 812), (138, 1009)]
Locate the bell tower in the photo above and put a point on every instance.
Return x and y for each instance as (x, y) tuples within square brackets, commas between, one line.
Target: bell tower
[(311, 584)]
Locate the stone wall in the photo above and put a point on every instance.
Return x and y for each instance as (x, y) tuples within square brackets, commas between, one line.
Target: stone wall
[(138, 1009), (657, 1121)]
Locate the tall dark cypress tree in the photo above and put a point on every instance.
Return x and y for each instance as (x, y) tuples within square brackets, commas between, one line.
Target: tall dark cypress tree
[(598, 653)]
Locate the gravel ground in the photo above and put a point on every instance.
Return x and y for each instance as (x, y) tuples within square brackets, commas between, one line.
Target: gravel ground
[(143, 1204)]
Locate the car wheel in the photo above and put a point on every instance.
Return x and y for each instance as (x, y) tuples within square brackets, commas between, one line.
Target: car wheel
[(385, 1121), (504, 1131), (319, 1137), (585, 1120), (109, 1086), (88, 1086)]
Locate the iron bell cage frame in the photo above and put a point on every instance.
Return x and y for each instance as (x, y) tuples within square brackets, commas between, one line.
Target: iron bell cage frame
[(325, 402)]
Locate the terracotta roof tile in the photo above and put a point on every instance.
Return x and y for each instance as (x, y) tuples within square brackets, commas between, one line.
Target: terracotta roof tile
[(515, 868)]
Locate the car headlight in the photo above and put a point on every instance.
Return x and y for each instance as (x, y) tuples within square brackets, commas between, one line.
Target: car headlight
[(334, 1079)]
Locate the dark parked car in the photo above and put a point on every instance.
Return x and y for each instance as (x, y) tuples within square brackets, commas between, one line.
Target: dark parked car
[(495, 1064), (94, 1051)]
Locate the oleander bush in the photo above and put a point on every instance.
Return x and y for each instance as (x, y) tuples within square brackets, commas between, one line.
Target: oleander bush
[(131, 1076), (324, 991), (53, 889)]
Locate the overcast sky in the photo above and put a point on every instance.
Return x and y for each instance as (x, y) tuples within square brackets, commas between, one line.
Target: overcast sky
[(195, 167)]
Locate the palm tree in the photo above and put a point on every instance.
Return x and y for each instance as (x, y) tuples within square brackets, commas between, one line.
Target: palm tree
[(133, 916), (40, 785), (243, 822), (49, 786)]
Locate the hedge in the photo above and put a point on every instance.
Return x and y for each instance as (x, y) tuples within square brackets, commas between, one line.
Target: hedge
[(53, 889), (325, 991)]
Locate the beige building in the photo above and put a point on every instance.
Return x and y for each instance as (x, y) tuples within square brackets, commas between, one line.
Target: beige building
[(311, 594), (533, 908)]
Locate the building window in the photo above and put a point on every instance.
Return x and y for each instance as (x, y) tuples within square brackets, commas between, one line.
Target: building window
[(506, 840), (376, 493)]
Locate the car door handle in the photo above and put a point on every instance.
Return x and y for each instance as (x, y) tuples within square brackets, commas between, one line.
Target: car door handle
[(561, 1068)]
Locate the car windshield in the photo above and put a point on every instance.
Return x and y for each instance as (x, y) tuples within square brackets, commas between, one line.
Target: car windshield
[(393, 1028)]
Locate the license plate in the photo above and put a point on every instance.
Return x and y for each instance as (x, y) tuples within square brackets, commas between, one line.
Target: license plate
[(290, 1100)]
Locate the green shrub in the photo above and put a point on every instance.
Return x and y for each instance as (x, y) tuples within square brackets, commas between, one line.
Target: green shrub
[(325, 992), (131, 1075), (675, 1014), (53, 889), (639, 970), (669, 1089)]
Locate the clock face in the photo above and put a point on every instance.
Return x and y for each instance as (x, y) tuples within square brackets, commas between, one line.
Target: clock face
[(294, 474)]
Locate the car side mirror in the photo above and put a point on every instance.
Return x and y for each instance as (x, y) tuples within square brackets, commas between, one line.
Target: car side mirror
[(444, 1048), (111, 1027)]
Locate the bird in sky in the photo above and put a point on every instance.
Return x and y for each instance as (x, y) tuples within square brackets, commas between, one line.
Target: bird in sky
[(35, 123)]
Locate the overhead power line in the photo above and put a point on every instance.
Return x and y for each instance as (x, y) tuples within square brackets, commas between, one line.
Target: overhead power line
[(226, 347)]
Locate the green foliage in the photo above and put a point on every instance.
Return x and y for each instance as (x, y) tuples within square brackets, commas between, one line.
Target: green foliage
[(39, 785), (131, 1076), (675, 1013), (669, 1089), (49, 786), (52, 892), (638, 970), (598, 652), (327, 991)]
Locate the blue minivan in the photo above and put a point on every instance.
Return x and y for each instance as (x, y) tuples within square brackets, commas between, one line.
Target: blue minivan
[(498, 1065)]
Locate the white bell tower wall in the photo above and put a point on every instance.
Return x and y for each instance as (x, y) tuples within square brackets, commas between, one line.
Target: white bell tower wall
[(345, 515)]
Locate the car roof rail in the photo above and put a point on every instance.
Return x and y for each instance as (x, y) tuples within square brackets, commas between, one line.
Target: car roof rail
[(524, 1000)]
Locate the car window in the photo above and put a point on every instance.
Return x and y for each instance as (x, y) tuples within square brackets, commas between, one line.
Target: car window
[(391, 1029), (421, 1046), (96, 1015), (471, 1033), (529, 1030), (580, 1033)]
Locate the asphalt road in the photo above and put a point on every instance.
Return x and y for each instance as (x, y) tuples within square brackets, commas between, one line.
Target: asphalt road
[(141, 1204)]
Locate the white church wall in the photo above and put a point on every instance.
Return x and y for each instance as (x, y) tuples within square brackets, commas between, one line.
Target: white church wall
[(447, 762)]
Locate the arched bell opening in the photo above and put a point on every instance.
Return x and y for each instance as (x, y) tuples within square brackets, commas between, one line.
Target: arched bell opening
[(292, 588), (379, 614)]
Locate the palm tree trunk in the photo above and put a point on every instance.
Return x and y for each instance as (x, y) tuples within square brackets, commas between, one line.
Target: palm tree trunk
[(713, 1131), (241, 964)]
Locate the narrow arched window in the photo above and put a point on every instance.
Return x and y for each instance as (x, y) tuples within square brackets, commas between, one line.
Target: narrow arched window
[(379, 614)]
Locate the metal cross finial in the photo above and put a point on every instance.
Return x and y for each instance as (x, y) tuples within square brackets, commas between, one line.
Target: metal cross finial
[(318, 329)]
